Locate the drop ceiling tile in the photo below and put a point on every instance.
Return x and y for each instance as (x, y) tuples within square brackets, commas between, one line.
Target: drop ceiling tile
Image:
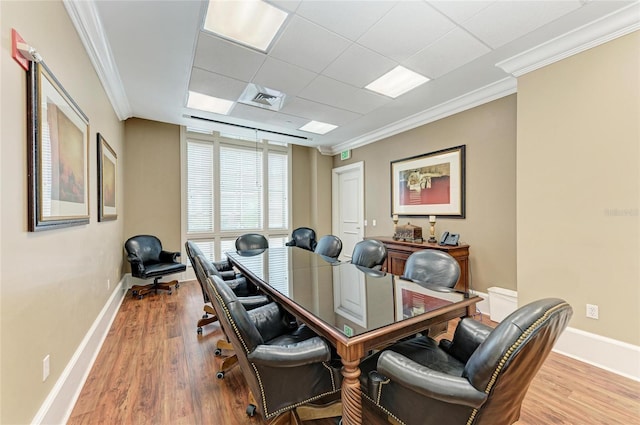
[(316, 111), (334, 93), (287, 121), (459, 11), (349, 19), (406, 29), (251, 113), (286, 5), (453, 50), (307, 45), (216, 85), (359, 66), (226, 58), (284, 77), (505, 21)]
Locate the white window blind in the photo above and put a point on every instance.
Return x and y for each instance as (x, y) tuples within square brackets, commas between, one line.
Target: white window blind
[(240, 188), (200, 186), (278, 178)]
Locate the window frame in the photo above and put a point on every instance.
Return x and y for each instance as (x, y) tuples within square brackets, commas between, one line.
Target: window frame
[(217, 235)]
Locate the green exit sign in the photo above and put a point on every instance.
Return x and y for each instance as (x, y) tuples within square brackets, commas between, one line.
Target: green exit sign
[(345, 154)]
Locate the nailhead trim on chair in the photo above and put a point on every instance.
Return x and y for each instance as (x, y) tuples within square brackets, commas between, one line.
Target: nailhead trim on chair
[(262, 392), (510, 351), (383, 409)]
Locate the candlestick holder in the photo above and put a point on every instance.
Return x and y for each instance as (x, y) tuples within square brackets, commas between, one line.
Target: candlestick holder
[(432, 230)]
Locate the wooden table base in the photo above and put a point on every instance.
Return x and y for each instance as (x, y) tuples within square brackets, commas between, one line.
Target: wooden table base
[(351, 393)]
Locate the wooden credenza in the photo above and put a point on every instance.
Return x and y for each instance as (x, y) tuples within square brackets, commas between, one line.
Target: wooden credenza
[(399, 251)]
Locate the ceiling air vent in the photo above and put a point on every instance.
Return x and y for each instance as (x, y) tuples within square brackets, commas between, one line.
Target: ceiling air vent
[(262, 97)]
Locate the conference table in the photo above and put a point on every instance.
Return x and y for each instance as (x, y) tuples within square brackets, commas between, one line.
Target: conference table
[(355, 309)]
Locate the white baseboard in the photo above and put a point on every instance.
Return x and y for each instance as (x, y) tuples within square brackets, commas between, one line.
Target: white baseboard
[(605, 353), (609, 354), (58, 405)]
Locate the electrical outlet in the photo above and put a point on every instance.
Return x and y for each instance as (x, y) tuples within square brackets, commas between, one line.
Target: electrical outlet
[(365, 223), (592, 311), (374, 222), (45, 368)]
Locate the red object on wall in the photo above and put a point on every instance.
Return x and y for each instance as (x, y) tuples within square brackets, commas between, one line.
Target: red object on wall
[(15, 54)]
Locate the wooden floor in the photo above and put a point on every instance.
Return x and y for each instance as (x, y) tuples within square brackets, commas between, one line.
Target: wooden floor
[(154, 369)]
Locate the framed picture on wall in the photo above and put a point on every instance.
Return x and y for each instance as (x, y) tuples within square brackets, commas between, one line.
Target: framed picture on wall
[(429, 184), (107, 178), (58, 153)]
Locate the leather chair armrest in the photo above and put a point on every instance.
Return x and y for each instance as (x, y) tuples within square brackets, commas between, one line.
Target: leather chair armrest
[(313, 350), (227, 274), (137, 266), (168, 257), (223, 266), (468, 336), (253, 302), (290, 243), (428, 382)]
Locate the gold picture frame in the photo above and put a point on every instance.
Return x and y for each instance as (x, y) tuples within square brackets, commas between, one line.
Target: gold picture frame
[(58, 154), (429, 184), (107, 181)]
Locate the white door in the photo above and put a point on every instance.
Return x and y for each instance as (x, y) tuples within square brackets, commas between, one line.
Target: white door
[(347, 187)]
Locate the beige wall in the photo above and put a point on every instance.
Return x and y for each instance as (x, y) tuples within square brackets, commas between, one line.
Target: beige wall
[(579, 186), (489, 133), (53, 283), (152, 166)]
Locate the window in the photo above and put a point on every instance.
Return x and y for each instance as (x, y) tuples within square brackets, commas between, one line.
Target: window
[(225, 182)]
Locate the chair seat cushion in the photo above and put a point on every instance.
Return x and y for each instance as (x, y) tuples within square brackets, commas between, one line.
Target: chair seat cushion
[(302, 333), (161, 269), (422, 350)]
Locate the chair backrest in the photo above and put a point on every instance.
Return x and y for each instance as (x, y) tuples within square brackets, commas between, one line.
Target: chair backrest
[(369, 253), (432, 267), (145, 247), (250, 241), (193, 250), (303, 237), (504, 364), (329, 246)]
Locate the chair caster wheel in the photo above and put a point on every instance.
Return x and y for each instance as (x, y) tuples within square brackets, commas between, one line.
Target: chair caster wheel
[(204, 316), (251, 410), (140, 296), (199, 331), (134, 293), (170, 293), (220, 375), (218, 352), (177, 285)]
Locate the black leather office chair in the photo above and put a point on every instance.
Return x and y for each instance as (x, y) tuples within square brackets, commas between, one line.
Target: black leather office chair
[(238, 284), (203, 270), (478, 378), (224, 267), (251, 242), (303, 237), (369, 253), (286, 365), (149, 261), (432, 269), (329, 246)]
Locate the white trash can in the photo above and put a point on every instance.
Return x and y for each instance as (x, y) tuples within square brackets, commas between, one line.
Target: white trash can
[(502, 302)]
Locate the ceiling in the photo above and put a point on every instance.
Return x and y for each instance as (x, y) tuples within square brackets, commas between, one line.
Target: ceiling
[(149, 54)]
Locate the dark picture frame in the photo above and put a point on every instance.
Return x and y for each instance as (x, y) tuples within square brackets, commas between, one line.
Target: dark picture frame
[(429, 184), (58, 154), (107, 180)]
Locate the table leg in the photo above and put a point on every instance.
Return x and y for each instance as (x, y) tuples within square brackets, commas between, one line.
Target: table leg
[(351, 401)]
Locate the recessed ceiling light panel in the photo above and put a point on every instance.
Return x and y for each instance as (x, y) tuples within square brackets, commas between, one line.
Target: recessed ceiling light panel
[(203, 102), (397, 82), (253, 23), (318, 127)]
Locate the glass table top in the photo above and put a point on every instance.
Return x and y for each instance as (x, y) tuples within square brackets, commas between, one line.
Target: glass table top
[(350, 298)]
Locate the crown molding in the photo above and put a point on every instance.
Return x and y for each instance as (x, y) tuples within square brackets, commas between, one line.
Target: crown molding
[(86, 20), (483, 95), (607, 28)]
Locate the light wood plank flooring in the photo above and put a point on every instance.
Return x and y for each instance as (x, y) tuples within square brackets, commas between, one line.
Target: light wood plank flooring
[(154, 369)]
